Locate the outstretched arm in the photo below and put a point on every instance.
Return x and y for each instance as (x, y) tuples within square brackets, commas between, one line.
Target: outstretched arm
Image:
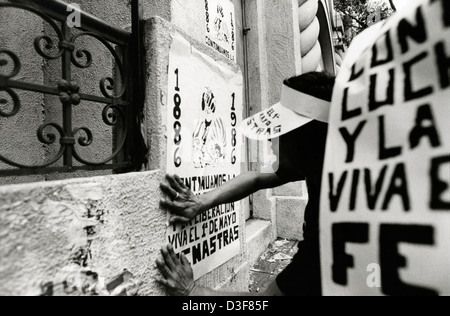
[(185, 205)]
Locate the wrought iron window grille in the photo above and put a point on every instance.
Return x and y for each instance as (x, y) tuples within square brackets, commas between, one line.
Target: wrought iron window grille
[(122, 97)]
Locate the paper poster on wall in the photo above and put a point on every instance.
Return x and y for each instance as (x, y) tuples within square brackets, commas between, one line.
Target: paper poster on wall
[(385, 205), (221, 27), (205, 108)]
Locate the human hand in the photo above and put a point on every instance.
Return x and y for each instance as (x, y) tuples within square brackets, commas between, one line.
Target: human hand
[(179, 200), (178, 274)]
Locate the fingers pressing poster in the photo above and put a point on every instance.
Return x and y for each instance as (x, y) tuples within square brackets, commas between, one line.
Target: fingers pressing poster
[(205, 108), (385, 211)]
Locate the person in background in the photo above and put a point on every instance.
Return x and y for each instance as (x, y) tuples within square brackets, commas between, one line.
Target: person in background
[(297, 126)]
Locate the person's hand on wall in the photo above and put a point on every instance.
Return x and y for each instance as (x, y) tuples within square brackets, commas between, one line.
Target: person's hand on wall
[(179, 200), (178, 274)]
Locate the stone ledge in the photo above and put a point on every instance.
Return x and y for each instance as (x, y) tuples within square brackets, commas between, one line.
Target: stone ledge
[(55, 231)]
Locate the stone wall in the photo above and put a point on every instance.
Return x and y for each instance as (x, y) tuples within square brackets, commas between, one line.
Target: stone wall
[(102, 235)]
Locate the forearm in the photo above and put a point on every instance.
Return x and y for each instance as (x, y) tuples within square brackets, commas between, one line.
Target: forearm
[(239, 188)]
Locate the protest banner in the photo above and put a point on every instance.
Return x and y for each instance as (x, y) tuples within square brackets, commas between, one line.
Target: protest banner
[(385, 204), (205, 108)]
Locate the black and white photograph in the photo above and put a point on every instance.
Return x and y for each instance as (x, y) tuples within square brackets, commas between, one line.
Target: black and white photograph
[(224, 154)]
